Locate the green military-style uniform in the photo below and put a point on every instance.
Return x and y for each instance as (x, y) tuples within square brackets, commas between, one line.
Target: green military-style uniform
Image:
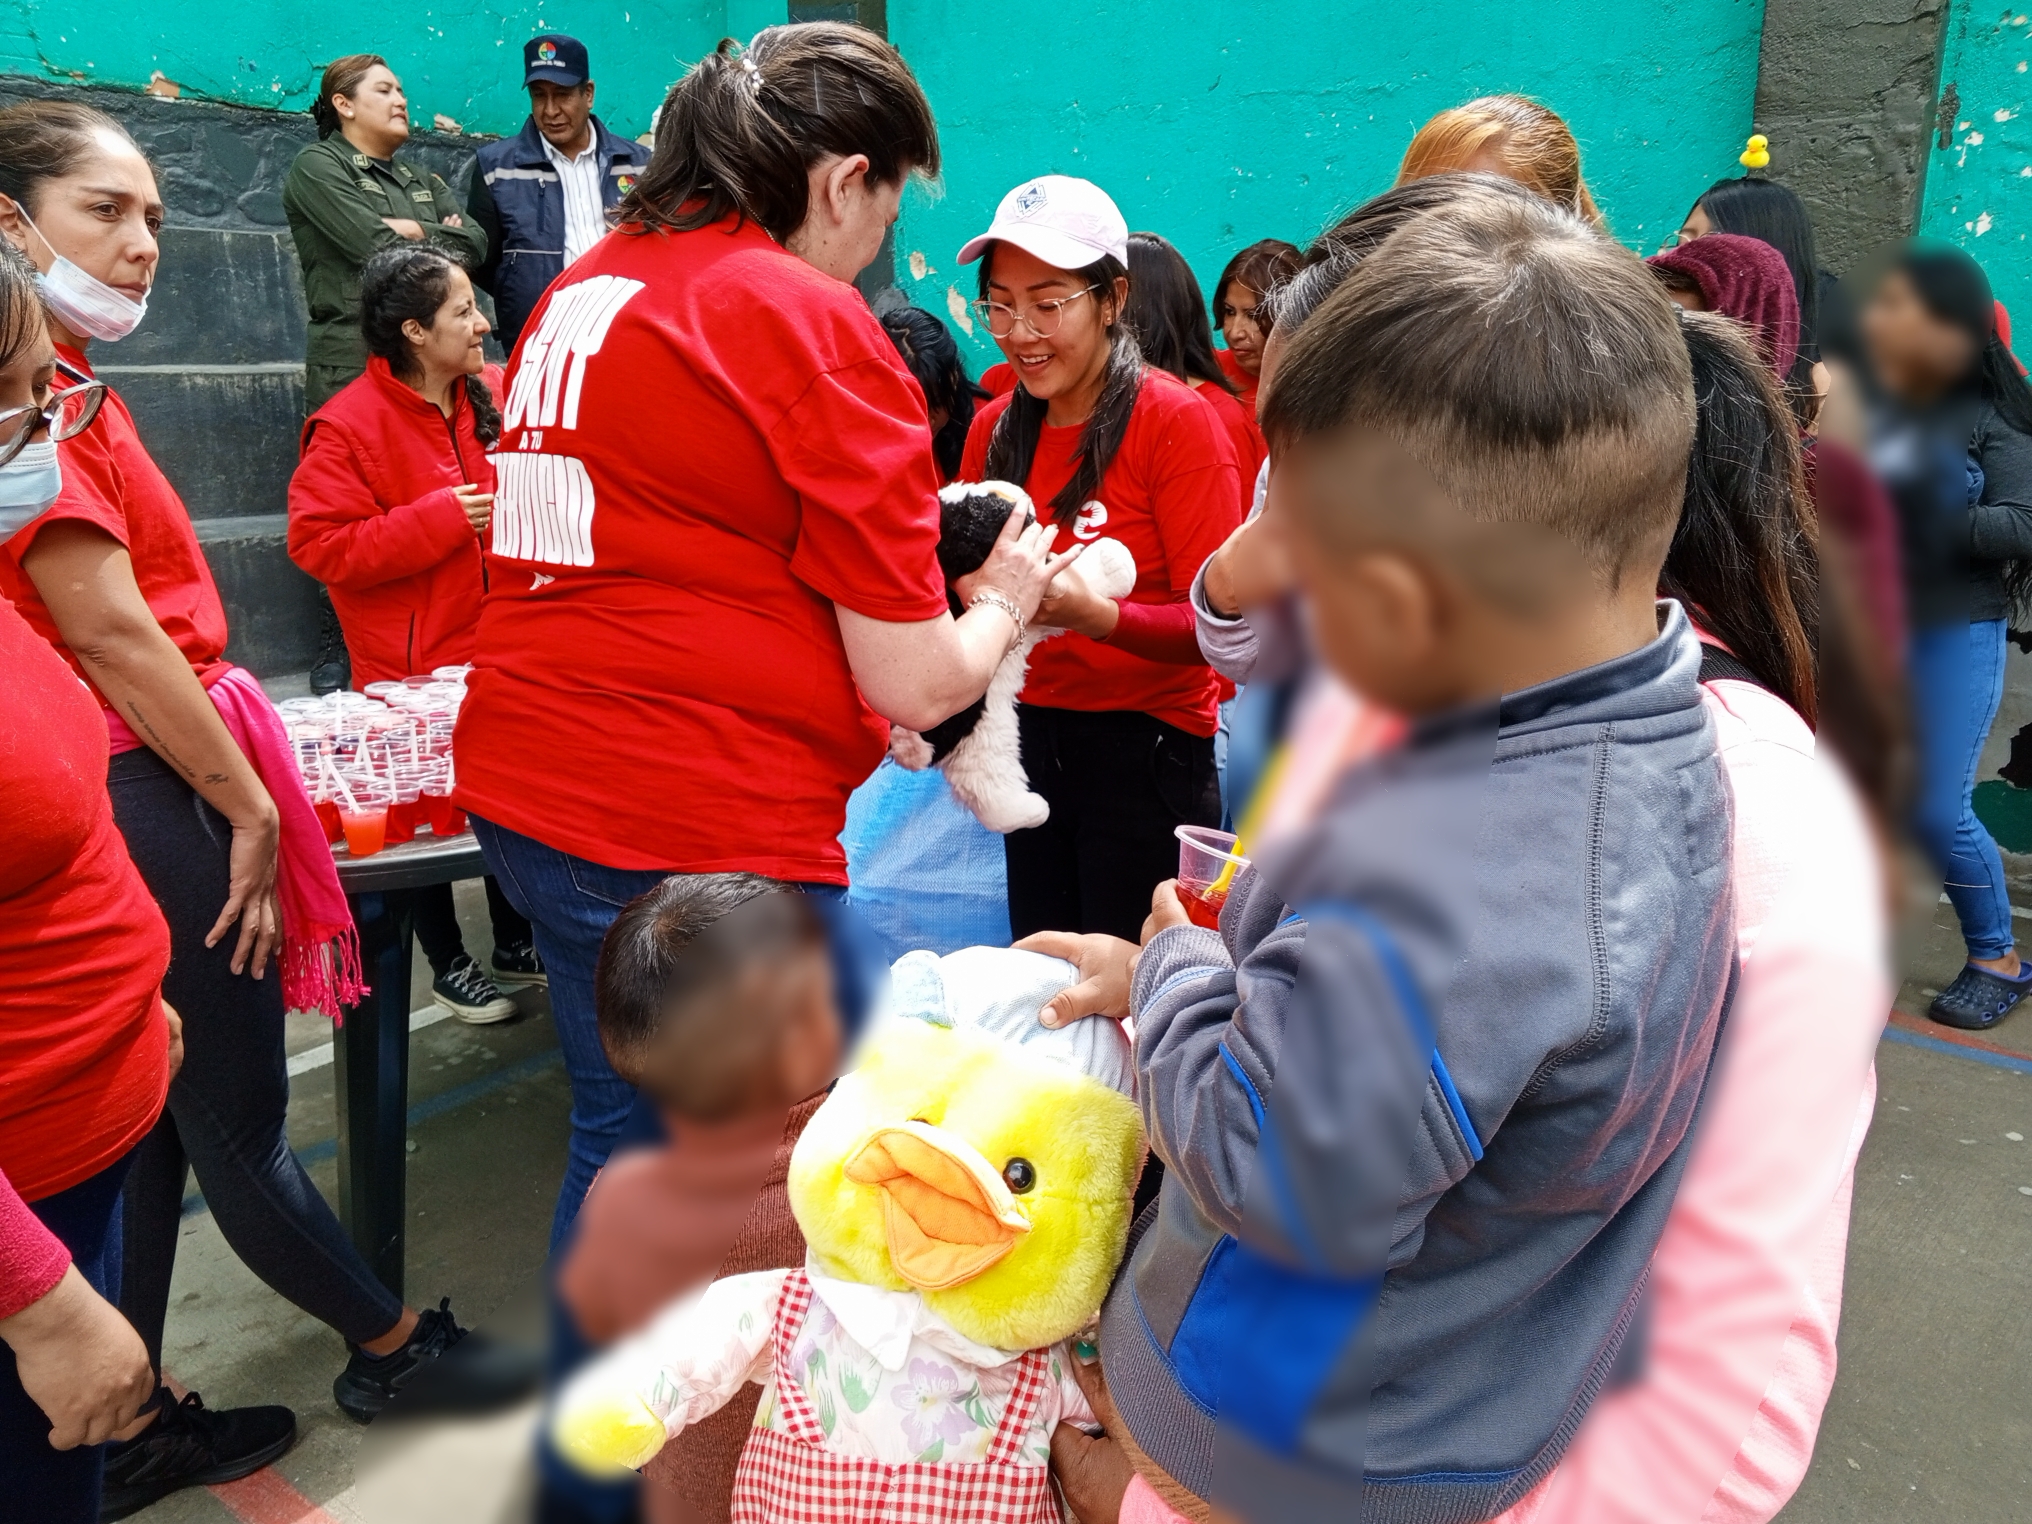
[(335, 197)]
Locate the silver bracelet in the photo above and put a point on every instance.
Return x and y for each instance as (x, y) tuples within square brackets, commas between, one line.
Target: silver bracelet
[(1001, 600)]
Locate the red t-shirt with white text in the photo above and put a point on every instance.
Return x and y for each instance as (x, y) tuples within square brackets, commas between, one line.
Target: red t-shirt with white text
[(1171, 495), (707, 443)]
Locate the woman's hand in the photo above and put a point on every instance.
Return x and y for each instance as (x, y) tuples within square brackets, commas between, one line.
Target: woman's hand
[(250, 893), (80, 1362), (477, 506), (1021, 565), (1070, 604), (175, 1021), (1105, 964), (406, 227)]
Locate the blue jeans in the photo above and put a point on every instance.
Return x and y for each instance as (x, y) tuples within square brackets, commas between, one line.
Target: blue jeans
[(62, 1486), (1957, 682), (570, 903)]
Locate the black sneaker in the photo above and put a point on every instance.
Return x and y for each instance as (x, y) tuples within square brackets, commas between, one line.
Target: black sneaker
[(370, 1382), (1979, 999), (518, 965), (189, 1445), (333, 668), (465, 990)]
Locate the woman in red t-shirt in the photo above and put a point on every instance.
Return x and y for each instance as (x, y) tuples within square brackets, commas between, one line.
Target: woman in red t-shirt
[(713, 579), (1238, 298), (113, 570), (84, 1043), (1168, 316), (388, 507), (1117, 718)]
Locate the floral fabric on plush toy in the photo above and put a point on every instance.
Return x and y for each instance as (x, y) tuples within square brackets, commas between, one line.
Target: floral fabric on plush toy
[(964, 1193)]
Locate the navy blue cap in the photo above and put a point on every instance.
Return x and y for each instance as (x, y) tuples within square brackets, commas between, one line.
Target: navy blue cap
[(555, 59)]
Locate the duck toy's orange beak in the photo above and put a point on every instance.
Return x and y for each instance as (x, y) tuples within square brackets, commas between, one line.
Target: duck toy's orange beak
[(946, 1210)]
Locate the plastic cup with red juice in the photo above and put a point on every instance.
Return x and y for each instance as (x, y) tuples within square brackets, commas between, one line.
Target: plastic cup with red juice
[(1207, 867)]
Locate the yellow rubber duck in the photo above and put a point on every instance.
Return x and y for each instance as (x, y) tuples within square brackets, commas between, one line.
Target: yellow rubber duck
[(1756, 153), (964, 1194)]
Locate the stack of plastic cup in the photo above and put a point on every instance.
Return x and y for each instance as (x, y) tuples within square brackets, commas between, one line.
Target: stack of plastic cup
[(378, 765)]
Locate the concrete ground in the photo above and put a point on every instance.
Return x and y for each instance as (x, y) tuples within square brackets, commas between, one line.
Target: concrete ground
[(1930, 1419)]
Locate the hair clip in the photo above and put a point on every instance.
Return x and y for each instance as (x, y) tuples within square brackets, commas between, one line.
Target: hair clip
[(1756, 153)]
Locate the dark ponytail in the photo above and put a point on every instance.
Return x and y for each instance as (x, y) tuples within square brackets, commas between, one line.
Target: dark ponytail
[(1013, 446), (342, 77), (413, 281), (737, 134), (1745, 559)]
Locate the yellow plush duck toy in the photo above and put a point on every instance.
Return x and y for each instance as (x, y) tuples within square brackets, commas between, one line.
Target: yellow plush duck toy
[(964, 1194)]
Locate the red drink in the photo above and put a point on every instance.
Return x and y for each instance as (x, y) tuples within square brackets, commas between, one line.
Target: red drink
[(328, 817), (446, 818), (1203, 903), (402, 821), (366, 829)]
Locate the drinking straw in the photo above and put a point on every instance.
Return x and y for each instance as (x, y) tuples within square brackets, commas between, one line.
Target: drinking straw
[(339, 779)]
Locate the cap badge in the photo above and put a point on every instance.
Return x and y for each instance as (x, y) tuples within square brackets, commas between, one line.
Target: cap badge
[(546, 51), (1029, 199)]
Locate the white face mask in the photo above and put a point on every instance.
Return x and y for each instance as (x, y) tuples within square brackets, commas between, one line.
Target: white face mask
[(83, 303), (29, 483)]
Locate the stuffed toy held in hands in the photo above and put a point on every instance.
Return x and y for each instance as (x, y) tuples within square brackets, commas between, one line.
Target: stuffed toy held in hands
[(964, 1194), (978, 749)]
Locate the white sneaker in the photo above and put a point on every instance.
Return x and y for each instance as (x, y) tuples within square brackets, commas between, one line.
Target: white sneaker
[(465, 990)]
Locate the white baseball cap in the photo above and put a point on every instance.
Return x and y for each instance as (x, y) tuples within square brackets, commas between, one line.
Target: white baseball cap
[(1063, 221)]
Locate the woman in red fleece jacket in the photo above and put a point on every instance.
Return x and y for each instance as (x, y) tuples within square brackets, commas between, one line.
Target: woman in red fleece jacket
[(1117, 718), (389, 505)]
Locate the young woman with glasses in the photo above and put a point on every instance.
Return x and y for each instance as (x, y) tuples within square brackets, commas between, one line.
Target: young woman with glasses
[(112, 576), (1118, 719)]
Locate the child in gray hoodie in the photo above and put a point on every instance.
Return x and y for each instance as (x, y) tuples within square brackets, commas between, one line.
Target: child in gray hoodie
[(1424, 1099)]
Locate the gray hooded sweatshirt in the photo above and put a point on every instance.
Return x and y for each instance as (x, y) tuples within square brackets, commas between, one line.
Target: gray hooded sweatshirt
[(1424, 1102)]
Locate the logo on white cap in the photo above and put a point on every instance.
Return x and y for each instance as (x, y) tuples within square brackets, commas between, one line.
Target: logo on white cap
[(1029, 199)]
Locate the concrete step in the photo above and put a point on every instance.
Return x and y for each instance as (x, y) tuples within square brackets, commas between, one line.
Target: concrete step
[(224, 435), (271, 607)]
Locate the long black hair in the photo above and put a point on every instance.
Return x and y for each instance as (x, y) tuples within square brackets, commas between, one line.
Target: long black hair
[(414, 281), (1013, 446), (737, 134), (1168, 315), (930, 355), (1745, 559), (1774, 213)]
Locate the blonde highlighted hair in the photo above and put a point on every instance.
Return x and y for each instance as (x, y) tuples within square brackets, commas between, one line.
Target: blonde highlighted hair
[(1516, 138)]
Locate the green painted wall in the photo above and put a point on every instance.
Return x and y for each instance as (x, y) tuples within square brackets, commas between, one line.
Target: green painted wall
[(1979, 185), (1219, 123), (458, 58)]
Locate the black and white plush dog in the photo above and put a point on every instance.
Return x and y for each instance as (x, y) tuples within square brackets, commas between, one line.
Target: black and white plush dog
[(978, 749)]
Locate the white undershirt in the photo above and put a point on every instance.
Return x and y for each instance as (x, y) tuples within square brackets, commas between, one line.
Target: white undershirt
[(585, 219)]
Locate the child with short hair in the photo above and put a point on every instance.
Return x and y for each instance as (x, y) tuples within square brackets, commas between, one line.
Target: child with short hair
[(715, 997), (1423, 1099)]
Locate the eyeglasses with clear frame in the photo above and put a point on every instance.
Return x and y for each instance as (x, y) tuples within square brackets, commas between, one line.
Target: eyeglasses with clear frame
[(1041, 318), (67, 414)]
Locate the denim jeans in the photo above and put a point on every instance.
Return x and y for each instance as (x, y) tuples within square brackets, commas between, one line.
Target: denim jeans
[(570, 903), (61, 1486), (1957, 675)]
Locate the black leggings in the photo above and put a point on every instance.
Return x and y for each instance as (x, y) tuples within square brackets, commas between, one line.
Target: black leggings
[(1118, 783), (437, 924), (228, 1106)]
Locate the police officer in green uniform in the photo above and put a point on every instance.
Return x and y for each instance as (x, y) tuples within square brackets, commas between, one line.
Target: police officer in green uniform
[(348, 195)]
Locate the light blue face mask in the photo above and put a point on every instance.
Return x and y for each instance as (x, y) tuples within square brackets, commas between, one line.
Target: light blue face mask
[(29, 483)]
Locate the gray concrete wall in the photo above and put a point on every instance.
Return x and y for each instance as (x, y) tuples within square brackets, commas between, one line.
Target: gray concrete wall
[(214, 376), (1846, 93)]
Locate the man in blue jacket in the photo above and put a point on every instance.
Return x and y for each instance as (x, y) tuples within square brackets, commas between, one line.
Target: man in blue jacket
[(543, 195)]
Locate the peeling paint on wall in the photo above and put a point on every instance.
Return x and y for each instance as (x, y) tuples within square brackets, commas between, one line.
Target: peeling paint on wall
[(1976, 194)]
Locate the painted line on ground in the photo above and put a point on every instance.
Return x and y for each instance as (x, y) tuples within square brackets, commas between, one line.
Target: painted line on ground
[(319, 1056), (424, 1111), (265, 1498), (1902, 1031)]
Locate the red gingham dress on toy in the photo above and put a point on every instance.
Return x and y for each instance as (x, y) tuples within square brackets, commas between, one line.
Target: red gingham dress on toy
[(788, 1476)]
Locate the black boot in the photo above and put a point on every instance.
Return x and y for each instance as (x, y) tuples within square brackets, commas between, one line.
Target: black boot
[(333, 668)]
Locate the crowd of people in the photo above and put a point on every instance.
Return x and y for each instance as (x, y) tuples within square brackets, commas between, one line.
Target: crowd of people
[(1496, 587)]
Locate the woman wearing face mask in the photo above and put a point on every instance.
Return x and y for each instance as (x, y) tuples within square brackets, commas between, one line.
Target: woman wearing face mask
[(85, 1053), (1117, 719), (389, 507), (205, 793), (691, 648), (1953, 443)]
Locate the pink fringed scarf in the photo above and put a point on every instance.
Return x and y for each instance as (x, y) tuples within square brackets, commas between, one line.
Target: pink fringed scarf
[(320, 957)]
